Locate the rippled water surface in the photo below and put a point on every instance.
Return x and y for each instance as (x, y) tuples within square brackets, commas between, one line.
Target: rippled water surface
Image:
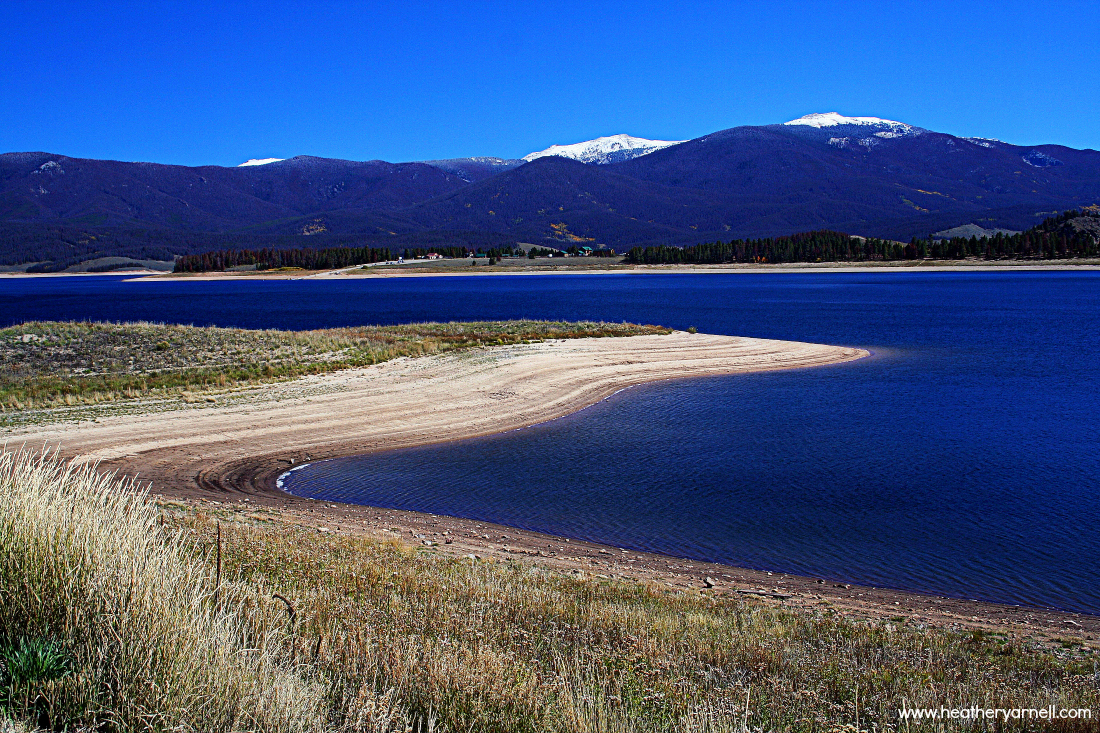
[(962, 458)]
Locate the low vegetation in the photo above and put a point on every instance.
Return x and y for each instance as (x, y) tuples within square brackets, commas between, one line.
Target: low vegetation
[(224, 620), (46, 364)]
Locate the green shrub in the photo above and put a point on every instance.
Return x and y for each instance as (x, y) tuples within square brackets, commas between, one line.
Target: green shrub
[(27, 669), (31, 661)]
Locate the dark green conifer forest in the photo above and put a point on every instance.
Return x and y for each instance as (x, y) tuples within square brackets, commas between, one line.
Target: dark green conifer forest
[(1050, 240)]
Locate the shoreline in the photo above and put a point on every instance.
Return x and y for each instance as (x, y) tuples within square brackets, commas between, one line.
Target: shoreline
[(409, 270), (241, 440), (228, 456), (492, 542), (414, 269)]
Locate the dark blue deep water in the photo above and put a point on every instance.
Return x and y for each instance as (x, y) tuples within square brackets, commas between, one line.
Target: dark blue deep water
[(962, 459)]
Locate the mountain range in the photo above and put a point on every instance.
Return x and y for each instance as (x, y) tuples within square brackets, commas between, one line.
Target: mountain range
[(602, 150), (861, 175)]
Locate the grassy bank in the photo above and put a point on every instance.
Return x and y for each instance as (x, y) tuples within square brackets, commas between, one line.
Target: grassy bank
[(372, 635), (46, 364), (110, 619)]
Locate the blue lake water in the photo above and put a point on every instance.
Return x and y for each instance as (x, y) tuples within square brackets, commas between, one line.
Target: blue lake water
[(962, 458)]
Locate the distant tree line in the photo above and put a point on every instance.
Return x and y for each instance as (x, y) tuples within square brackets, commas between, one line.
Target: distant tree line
[(495, 253), (820, 246), (459, 252), (421, 252), (1049, 240), (330, 258), (59, 245), (539, 252)]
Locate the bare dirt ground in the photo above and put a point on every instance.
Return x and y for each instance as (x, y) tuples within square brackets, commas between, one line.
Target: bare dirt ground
[(227, 457)]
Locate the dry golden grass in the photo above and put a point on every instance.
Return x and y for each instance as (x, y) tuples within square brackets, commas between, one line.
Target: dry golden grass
[(386, 636), (506, 646), (86, 563)]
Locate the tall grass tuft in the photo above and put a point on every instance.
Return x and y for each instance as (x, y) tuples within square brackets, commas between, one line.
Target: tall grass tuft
[(86, 564)]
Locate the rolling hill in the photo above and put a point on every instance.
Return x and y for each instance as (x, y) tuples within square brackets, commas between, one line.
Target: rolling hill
[(861, 175)]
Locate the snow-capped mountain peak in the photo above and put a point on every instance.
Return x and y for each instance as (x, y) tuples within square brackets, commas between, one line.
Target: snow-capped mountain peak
[(602, 150), (260, 161), (851, 133), (832, 119)]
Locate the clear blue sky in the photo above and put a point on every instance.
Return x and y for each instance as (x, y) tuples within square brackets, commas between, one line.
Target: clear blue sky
[(217, 83)]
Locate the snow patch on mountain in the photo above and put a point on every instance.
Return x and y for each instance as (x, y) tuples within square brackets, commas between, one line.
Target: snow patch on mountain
[(832, 119), (603, 150), (985, 142), (489, 160), (51, 167), (260, 161), (1040, 159)]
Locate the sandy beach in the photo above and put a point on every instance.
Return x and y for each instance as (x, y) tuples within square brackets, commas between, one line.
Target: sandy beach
[(239, 443), (226, 455)]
